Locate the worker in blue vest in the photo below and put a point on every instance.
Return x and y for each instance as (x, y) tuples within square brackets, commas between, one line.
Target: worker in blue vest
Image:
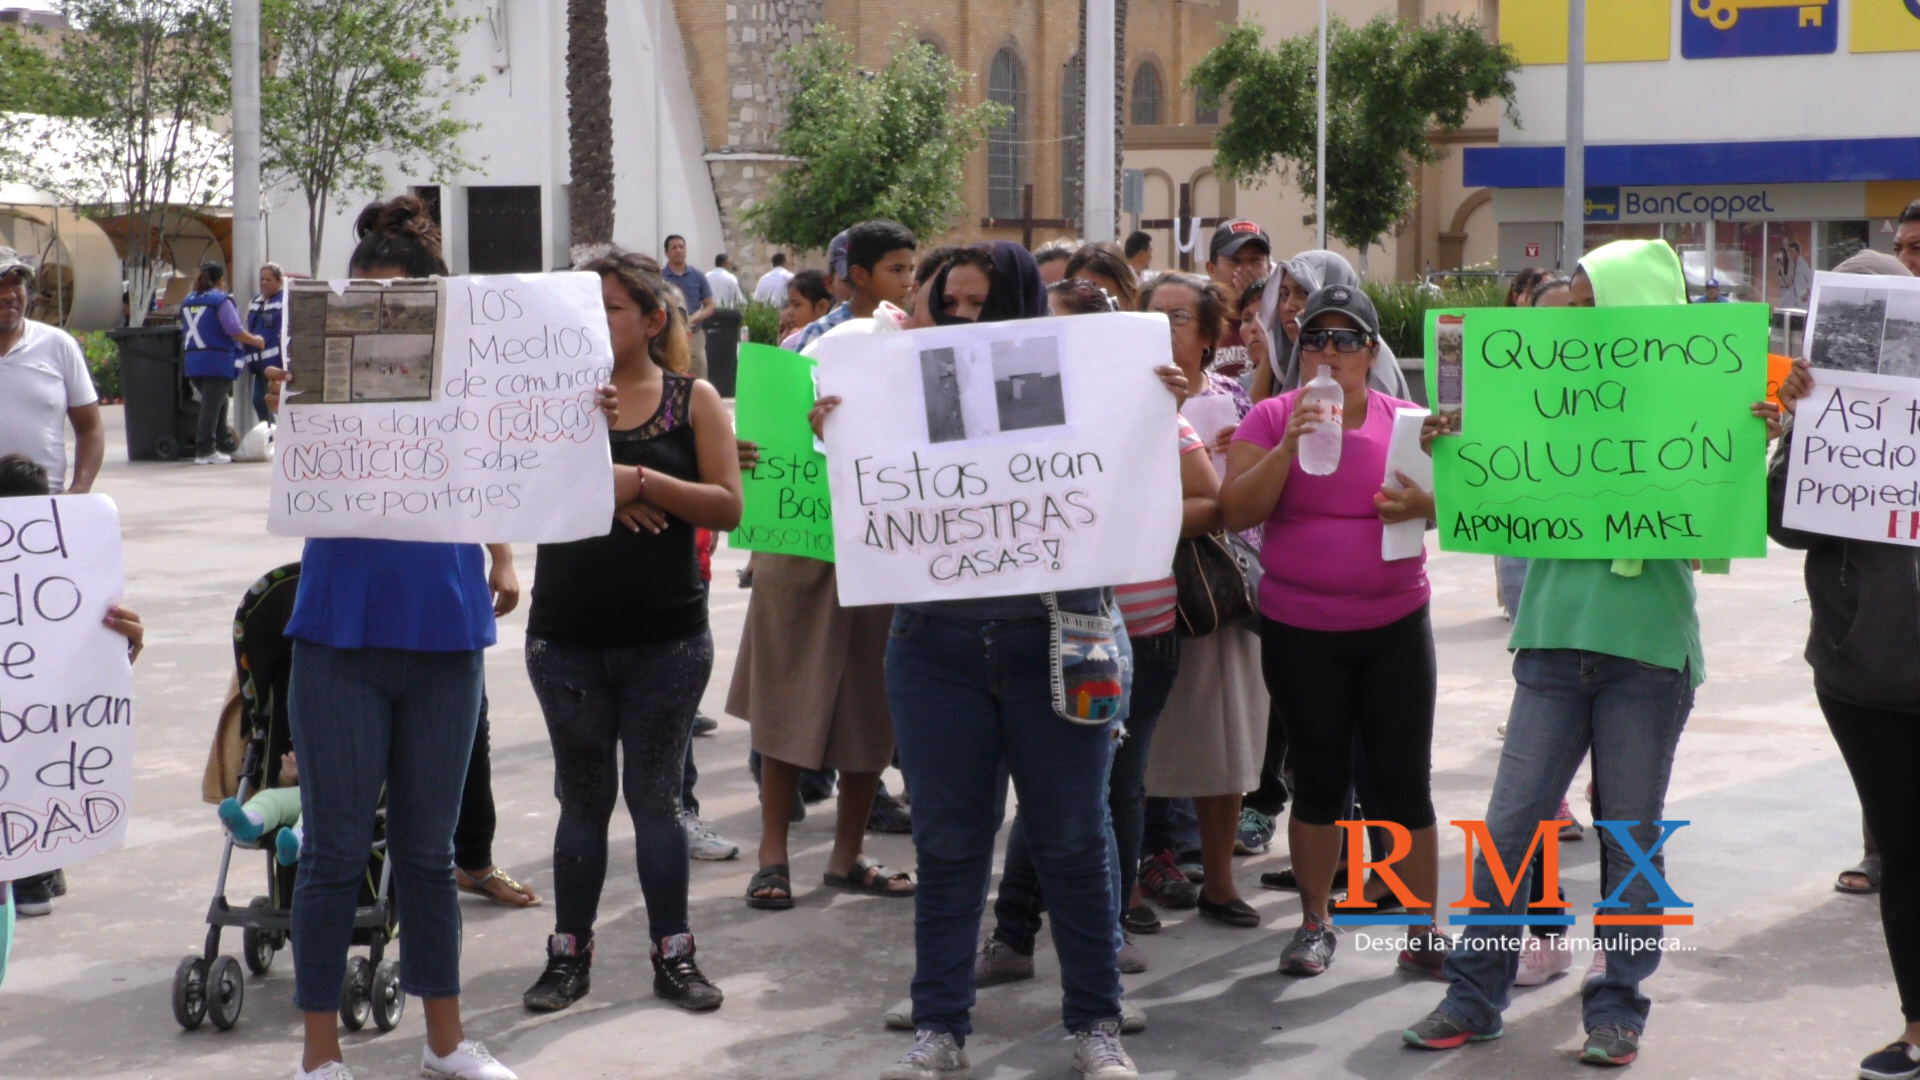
[(264, 319), (211, 336)]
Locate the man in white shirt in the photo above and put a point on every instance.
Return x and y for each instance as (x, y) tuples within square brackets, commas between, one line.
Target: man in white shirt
[(44, 385), (772, 288), (726, 287)]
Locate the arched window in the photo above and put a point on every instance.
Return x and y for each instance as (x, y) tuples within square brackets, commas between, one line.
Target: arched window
[(1146, 94), (1073, 124), (1206, 107), (1006, 143)]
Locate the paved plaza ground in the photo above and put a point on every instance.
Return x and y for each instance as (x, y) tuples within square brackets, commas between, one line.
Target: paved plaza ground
[(1784, 978)]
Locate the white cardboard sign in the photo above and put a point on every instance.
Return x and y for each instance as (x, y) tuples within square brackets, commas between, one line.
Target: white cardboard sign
[(1001, 459), (66, 687), (1855, 465), (461, 410)]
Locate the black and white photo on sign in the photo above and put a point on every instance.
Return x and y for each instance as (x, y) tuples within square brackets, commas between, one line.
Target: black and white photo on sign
[(393, 367), (1868, 325), (970, 393), (1900, 337), (410, 311), (356, 311)]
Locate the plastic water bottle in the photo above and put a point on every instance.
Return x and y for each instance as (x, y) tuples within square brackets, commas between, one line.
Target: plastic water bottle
[(1320, 448)]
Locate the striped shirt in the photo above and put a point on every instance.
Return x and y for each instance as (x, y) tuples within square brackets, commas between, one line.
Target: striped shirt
[(1147, 608)]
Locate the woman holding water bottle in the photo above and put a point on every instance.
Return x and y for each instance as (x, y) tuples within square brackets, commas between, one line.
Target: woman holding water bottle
[(1347, 645)]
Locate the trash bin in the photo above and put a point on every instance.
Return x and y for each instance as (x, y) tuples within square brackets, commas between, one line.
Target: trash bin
[(162, 412), (723, 348)]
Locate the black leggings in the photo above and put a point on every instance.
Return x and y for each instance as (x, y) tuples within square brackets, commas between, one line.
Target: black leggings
[(1882, 749), (1378, 683)]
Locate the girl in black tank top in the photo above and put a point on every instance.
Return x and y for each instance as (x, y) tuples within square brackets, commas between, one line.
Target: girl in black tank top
[(617, 645)]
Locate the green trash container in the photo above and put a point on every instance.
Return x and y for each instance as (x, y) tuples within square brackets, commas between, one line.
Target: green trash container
[(723, 348)]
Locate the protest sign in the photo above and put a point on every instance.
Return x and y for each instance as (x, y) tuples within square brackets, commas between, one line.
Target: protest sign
[(786, 509), (1605, 433), (461, 409), (1854, 469), (1861, 323), (1001, 459), (66, 687)]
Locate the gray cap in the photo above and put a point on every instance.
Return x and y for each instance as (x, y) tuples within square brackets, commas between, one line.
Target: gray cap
[(1354, 303), (11, 263), (837, 255)]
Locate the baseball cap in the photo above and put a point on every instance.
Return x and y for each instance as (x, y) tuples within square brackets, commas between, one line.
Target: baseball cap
[(1713, 283), (1233, 235), (11, 263), (837, 255), (1345, 299)]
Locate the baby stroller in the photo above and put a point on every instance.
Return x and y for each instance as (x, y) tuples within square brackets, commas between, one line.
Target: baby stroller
[(254, 735)]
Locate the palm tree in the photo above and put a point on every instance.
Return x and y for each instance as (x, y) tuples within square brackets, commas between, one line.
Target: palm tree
[(589, 131)]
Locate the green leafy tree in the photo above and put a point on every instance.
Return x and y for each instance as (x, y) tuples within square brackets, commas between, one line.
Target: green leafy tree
[(30, 82), (1390, 85), (358, 85), (870, 144)]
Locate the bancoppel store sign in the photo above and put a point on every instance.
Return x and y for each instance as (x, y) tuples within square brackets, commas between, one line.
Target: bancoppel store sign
[(1740, 203)]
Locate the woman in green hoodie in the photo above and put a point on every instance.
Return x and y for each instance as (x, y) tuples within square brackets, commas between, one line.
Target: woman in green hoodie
[(1606, 658)]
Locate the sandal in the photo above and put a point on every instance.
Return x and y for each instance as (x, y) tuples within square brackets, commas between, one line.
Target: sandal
[(767, 879), (1868, 868), (871, 878), (497, 887)]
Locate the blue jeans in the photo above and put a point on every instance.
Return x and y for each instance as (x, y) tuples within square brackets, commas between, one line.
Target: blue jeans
[(966, 696), (1631, 714), (1017, 909), (1510, 573), (366, 721)]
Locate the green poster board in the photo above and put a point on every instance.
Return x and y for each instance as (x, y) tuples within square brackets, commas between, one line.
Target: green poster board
[(1601, 433), (787, 510)]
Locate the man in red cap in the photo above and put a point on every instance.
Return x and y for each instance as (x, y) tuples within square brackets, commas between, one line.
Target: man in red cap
[(1239, 255)]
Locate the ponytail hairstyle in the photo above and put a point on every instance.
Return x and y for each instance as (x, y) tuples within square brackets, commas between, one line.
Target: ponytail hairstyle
[(640, 276), (210, 276), (399, 233)]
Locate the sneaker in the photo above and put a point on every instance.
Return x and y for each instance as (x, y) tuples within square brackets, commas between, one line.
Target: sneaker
[(998, 962), (1255, 832), (936, 1055), (1596, 969), (469, 1061), (900, 1017), (1898, 1061), (58, 883), (1426, 952), (1140, 919), (568, 976), (1160, 878), (678, 979), (1132, 960), (1099, 1056), (332, 1070), (1543, 957), (888, 815), (1133, 1018), (1190, 865), (286, 846), (1570, 827), (215, 458), (33, 896), (1440, 1031), (704, 843), (704, 724), (1311, 950), (240, 824), (1611, 1044)]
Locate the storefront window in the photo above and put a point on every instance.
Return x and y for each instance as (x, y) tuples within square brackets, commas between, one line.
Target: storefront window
[(1790, 254), (1838, 242)]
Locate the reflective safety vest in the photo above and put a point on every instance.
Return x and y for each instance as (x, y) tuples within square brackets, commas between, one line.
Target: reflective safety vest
[(209, 349), (263, 318)]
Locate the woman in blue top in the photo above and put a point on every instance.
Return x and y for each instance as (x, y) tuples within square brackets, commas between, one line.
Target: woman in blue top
[(264, 318), (211, 336)]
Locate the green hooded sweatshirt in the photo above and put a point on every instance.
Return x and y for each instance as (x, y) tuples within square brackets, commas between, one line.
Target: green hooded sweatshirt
[(1640, 610)]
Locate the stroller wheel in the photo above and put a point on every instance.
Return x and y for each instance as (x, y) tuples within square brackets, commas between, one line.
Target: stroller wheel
[(356, 993), (389, 1001), (258, 946), (226, 992), (190, 992)]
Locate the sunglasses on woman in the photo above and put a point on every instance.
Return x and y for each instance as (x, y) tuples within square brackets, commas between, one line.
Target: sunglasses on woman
[(1346, 341)]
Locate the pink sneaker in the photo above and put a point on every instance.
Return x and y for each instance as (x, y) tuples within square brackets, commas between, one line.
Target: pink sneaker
[(1541, 958)]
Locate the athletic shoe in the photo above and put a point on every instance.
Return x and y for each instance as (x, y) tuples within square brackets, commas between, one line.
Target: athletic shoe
[(469, 1061), (240, 824), (888, 815), (332, 1070), (1133, 1018), (1440, 1031), (704, 724), (678, 979), (936, 1055), (1190, 865), (1898, 1061), (1311, 950), (215, 458), (1570, 827), (1255, 832), (1099, 1056), (57, 884), (568, 976), (1596, 969), (1160, 878), (998, 962), (1426, 953), (33, 896), (1611, 1044), (900, 1017), (1140, 919), (1132, 960), (1543, 957), (704, 843)]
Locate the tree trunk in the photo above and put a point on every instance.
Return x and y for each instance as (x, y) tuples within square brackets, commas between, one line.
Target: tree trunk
[(589, 131), (1119, 108)]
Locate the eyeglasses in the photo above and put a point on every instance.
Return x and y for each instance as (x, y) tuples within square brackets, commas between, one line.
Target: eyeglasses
[(1180, 318), (1346, 341)]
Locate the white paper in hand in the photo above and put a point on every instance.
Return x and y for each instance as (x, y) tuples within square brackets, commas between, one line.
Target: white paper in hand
[(1406, 539), (1209, 415)]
